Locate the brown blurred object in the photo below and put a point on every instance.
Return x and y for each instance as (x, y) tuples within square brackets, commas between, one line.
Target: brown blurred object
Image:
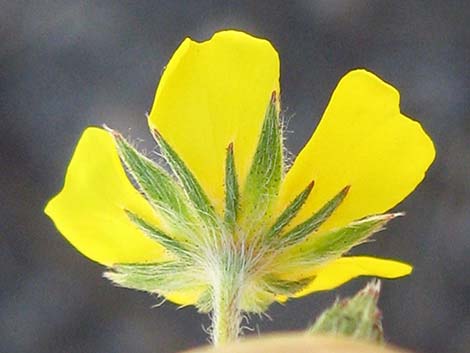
[(300, 343)]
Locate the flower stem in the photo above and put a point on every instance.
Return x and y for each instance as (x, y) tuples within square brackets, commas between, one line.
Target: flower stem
[(226, 314)]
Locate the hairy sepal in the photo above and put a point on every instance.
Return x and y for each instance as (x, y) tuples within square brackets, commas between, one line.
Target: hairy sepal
[(191, 186), (163, 193), (172, 245), (259, 295), (289, 213), (265, 175), (323, 247), (231, 191), (283, 287), (159, 278), (301, 231)]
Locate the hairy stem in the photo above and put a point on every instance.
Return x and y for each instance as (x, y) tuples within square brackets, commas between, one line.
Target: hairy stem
[(226, 314)]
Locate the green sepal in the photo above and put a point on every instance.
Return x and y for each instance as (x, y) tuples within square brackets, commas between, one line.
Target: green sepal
[(190, 184), (258, 296), (356, 317), (159, 278), (257, 300), (205, 301), (265, 175), (289, 213), (336, 242), (163, 193), (231, 190), (278, 286), (172, 245), (301, 231)]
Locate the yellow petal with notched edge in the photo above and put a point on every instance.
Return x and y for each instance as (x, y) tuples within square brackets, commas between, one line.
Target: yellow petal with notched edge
[(340, 271), (364, 141), (89, 211), (213, 93)]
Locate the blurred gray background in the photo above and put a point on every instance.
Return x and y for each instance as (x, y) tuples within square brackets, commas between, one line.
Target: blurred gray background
[(67, 64)]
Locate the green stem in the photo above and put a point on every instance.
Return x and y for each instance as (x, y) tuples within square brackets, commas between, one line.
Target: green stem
[(226, 314)]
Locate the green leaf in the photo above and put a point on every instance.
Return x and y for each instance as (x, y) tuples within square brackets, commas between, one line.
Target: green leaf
[(166, 241), (231, 190), (163, 193), (265, 175), (190, 184), (301, 231), (356, 317), (289, 213)]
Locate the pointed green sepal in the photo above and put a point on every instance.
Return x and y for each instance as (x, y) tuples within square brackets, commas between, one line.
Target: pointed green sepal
[(278, 286), (190, 184), (289, 213), (336, 242), (231, 190), (172, 245), (301, 231), (356, 317), (265, 175), (164, 194), (204, 303), (159, 278), (258, 296), (257, 300)]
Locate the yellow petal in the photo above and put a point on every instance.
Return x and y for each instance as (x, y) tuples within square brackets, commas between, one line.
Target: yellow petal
[(213, 93), (186, 297), (344, 269), (89, 211), (364, 141)]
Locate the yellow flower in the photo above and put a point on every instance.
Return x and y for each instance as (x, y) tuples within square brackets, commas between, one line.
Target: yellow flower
[(233, 218)]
